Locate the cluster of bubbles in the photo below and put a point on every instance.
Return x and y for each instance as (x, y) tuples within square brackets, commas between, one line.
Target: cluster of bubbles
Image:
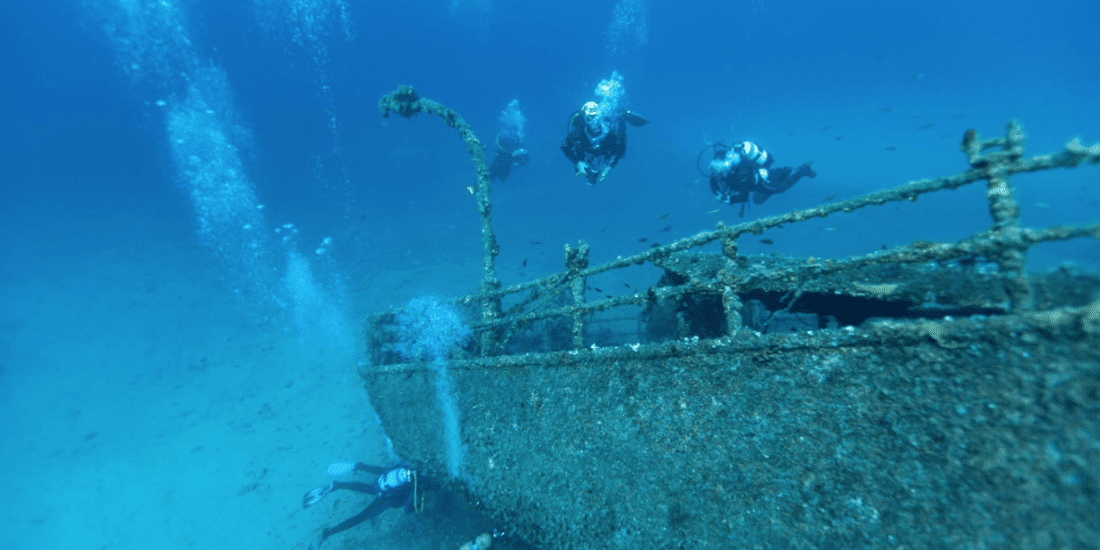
[(151, 43), (290, 230), (207, 157), (210, 147), (311, 27), (289, 235), (629, 27), (611, 95), (315, 307), (153, 48), (512, 119), (428, 329), (311, 24), (311, 293)]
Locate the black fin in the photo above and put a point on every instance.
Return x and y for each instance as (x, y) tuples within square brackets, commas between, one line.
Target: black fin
[(634, 119)]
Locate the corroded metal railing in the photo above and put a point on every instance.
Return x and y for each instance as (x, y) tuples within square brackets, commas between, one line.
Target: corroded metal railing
[(1005, 244), (405, 102)]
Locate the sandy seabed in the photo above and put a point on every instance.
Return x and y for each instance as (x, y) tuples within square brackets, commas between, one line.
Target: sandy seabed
[(144, 404)]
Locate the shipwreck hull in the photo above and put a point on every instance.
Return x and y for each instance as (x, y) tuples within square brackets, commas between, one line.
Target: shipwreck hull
[(933, 395), (980, 434)]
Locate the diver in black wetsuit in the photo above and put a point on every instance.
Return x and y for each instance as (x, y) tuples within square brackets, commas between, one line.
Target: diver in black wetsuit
[(595, 142), (510, 154), (744, 170), (394, 488)]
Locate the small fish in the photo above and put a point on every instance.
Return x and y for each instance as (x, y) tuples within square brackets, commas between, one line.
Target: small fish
[(655, 245), (604, 229), (825, 128), (665, 216), (915, 78), (522, 274), (643, 239), (838, 138), (715, 211), (957, 117), (536, 242), (831, 228), (926, 126), (524, 263), (666, 229), (1043, 204), (597, 290), (767, 241), (891, 148), (886, 109), (830, 197), (627, 285)]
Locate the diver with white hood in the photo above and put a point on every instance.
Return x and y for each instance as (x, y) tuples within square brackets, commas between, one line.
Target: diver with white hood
[(596, 138)]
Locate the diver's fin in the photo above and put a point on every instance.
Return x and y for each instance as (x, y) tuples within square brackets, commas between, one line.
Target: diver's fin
[(634, 119), (315, 496), (807, 170)]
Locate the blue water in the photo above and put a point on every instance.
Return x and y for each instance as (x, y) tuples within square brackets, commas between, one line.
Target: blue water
[(200, 203)]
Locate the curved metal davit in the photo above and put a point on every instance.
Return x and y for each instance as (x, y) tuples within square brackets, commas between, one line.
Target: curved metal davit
[(934, 395)]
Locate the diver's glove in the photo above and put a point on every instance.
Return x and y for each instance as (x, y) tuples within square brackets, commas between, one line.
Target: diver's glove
[(520, 157), (582, 167), (604, 173)]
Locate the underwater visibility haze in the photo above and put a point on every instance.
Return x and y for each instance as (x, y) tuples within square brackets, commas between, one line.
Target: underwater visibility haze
[(201, 205)]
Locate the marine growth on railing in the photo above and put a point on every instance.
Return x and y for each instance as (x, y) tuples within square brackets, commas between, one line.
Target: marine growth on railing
[(717, 287)]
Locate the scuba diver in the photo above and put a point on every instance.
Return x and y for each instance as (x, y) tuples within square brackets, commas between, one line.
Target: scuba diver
[(394, 488), (597, 140), (510, 154), (510, 151), (745, 169)]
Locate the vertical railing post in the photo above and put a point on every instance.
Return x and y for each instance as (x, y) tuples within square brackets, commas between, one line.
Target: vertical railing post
[(732, 305), (731, 302), (1003, 207), (576, 260)]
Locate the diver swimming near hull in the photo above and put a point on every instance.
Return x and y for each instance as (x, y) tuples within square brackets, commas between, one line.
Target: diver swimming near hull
[(745, 171)]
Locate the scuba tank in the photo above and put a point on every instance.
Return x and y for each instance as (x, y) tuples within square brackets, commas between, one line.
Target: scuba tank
[(393, 479)]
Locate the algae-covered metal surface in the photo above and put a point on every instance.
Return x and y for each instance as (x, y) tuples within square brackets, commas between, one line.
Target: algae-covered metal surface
[(980, 434), (932, 395)]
